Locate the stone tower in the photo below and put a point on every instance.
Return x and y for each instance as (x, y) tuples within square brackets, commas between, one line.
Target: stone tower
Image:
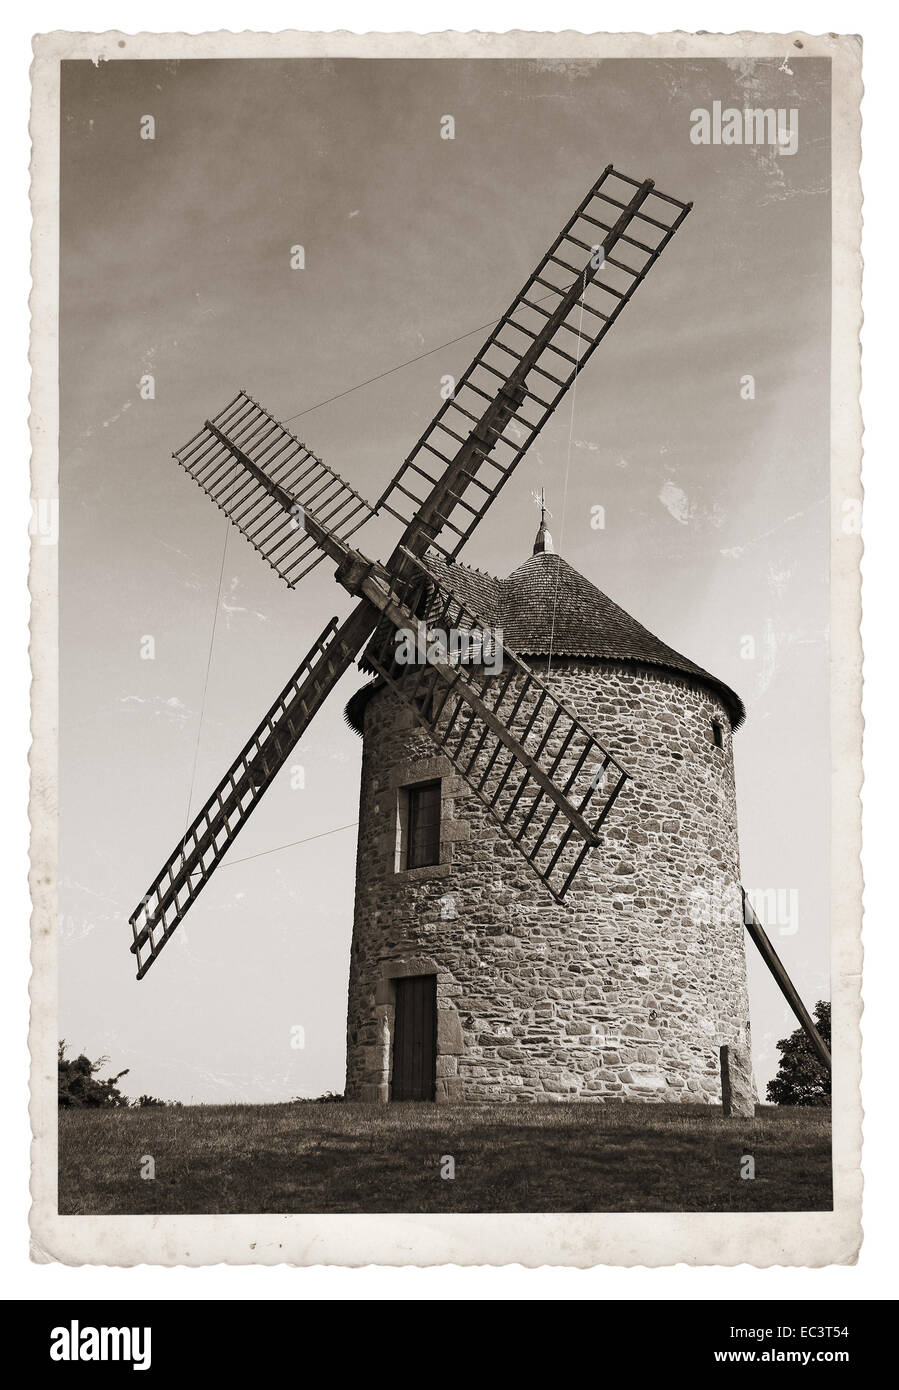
[(468, 981)]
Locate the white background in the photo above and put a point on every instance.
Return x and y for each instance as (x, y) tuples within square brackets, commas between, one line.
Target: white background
[(874, 1276)]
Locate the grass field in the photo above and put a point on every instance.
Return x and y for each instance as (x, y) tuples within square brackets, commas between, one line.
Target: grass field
[(307, 1157)]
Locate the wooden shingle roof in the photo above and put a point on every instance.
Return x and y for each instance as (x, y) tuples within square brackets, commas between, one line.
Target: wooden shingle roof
[(546, 607)]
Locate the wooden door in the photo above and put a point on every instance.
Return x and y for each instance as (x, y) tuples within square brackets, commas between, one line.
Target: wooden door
[(415, 1038)]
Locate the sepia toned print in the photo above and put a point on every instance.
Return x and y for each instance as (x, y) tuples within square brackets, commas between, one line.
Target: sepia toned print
[(543, 913)]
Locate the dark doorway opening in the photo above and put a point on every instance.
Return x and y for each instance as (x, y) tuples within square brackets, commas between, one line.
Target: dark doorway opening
[(415, 1038)]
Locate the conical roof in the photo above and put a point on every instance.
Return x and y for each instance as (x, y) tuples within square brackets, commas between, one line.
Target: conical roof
[(546, 607)]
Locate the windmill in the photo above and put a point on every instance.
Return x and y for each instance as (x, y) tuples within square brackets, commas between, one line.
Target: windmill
[(546, 780)]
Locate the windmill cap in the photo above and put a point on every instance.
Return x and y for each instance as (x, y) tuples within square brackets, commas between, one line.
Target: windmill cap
[(546, 607)]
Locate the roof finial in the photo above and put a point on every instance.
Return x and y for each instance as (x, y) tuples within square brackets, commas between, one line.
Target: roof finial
[(543, 545)]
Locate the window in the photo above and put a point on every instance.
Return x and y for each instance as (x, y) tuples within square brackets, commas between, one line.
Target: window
[(717, 733), (423, 826)]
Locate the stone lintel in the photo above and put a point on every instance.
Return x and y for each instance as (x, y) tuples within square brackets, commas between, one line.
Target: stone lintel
[(419, 770), (408, 965)]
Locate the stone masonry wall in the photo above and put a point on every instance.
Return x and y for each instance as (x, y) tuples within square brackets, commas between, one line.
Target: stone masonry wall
[(625, 991)]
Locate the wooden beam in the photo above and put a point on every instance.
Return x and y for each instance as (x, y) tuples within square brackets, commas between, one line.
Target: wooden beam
[(785, 984), (371, 581), (429, 518), (198, 853), (401, 617)]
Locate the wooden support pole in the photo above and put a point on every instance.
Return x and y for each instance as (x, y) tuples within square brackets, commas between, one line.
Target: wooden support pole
[(785, 984)]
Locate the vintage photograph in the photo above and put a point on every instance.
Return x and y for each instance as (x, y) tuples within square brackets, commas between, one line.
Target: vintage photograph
[(497, 877)]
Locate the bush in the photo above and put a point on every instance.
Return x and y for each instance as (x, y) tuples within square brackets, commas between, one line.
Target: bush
[(78, 1087)]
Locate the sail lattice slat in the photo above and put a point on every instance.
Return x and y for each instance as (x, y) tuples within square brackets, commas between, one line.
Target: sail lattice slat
[(545, 780), (226, 811), (530, 360), (268, 504)]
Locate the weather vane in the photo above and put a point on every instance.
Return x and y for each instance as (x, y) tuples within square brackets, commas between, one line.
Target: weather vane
[(540, 501)]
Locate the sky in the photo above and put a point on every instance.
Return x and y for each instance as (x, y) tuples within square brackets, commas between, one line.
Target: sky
[(176, 264)]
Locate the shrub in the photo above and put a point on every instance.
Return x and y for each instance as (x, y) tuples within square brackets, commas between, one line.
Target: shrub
[(78, 1086)]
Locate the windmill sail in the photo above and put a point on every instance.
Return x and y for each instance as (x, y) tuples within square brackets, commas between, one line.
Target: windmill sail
[(188, 869), (545, 780), (265, 480), (516, 381), (543, 777)]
